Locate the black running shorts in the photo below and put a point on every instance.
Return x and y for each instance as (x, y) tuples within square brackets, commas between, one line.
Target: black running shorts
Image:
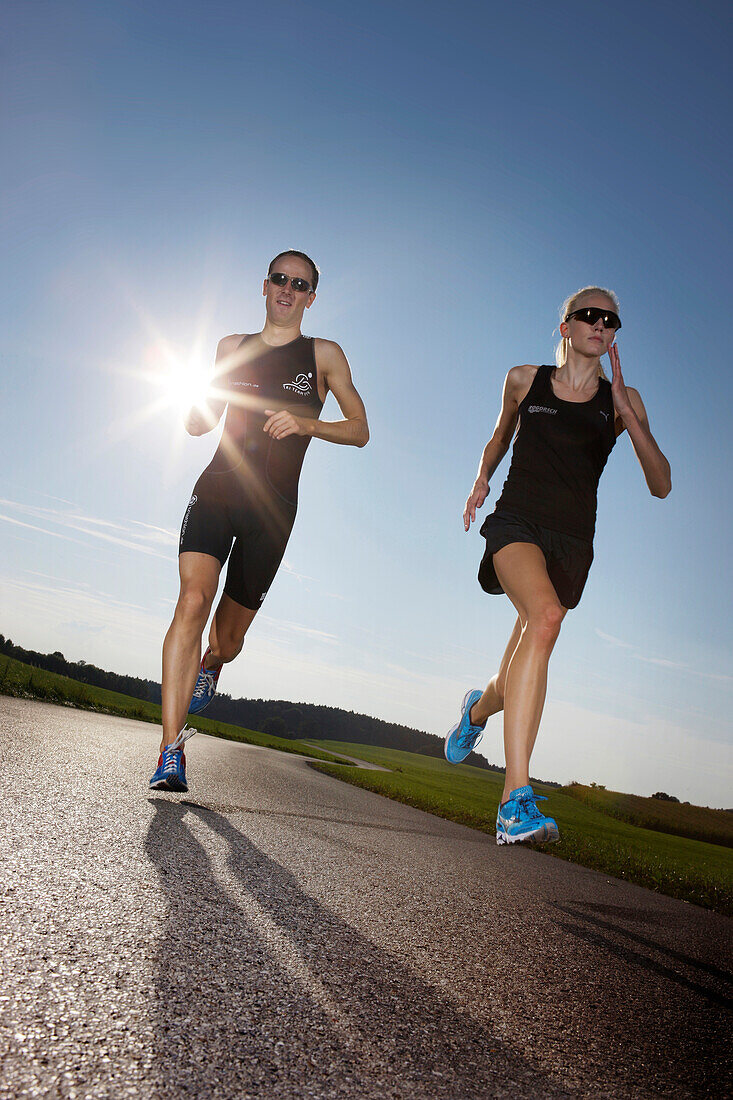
[(568, 558), (243, 523)]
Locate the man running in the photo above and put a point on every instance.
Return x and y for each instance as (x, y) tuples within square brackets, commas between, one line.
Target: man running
[(273, 384)]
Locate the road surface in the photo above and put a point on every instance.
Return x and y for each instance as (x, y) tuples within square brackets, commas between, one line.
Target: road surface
[(278, 934)]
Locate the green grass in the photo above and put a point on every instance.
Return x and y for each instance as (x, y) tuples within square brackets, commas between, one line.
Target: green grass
[(679, 819), (681, 867), (26, 682), (637, 839)]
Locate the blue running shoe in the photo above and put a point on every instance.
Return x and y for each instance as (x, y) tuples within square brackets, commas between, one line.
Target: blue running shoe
[(170, 774), (519, 820), (205, 688), (463, 737)]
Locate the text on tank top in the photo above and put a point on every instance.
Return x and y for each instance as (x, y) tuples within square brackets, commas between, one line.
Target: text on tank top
[(266, 377), (560, 450)]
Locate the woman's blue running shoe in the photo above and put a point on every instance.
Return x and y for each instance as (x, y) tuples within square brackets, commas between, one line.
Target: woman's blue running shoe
[(205, 688), (170, 775), (463, 737), (519, 820)]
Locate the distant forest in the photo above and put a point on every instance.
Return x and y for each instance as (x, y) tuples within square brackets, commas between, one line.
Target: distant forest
[(277, 717)]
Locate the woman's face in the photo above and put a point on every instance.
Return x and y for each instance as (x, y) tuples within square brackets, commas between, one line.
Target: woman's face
[(588, 340)]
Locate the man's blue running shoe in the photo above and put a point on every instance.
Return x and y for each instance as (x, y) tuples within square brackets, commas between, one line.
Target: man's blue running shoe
[(170, 774), (205, 688), (463, 737), (519, 820)]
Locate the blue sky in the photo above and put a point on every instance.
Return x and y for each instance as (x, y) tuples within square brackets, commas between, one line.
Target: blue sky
[(456, 172)]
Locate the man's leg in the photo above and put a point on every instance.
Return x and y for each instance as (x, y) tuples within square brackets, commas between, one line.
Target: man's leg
[(226, 635), (199, 575), (522, 571)]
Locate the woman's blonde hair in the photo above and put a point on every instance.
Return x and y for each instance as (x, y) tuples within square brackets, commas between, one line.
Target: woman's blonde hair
[(572, 303)]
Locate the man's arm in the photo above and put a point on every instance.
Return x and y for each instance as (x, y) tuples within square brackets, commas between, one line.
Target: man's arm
[(206, 413), (353, 430)]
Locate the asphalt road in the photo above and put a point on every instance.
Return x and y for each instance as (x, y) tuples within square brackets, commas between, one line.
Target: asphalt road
[(277, 933)]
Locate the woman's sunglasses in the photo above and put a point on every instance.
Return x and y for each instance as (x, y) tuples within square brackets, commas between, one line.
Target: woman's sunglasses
[(592, 315), (279, 279)]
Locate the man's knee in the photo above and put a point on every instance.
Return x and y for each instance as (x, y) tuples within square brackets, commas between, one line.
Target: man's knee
[(228, 646), (194, 604)]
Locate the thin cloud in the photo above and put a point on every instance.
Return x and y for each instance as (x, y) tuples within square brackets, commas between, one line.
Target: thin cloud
[(663, 662), (141, 537), (288, 568), (67, 603), (282, 626), (614, 641)]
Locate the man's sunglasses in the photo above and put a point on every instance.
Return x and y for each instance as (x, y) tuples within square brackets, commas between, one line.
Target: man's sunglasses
[(280, 279), (592, 315)]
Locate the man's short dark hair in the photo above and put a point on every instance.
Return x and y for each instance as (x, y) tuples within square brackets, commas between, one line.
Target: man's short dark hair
[(300, 256)]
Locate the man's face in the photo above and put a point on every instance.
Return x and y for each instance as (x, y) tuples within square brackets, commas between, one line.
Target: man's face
[(284, 304)]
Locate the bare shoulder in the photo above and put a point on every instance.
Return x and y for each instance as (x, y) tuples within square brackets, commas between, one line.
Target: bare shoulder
[(518, 381), (328, 353), (332, 364), (228, 344)]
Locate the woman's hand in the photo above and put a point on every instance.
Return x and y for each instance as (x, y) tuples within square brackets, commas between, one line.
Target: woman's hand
[(621, 400), (283, 423), (478, 495)]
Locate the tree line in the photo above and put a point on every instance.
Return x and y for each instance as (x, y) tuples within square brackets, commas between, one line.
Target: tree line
[(277, 717)]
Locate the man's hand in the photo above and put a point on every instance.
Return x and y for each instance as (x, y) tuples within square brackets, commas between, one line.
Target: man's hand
[(284, 423), (478, 495)]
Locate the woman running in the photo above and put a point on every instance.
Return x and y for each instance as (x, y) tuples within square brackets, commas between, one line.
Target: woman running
[(539, 539)]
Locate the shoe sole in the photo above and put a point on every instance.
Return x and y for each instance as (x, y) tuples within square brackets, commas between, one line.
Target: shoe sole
[(199, 709), (166, 785), (451, 732), (545, 835)]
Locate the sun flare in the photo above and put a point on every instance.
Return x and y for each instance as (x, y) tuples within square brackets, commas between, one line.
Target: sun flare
[(183, 379)]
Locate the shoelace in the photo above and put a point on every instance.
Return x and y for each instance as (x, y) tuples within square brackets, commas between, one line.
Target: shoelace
[(527, 806), (203, 687), (170, 763), (471, 735)]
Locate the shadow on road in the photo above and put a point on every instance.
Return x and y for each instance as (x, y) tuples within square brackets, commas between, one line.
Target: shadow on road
[(597, 934), (266, 992), (694, 1017)]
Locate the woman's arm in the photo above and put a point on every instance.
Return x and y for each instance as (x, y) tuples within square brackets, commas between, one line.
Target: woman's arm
[(516, 384), (631, 415)]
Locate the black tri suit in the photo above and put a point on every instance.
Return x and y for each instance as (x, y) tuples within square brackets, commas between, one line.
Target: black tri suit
[(550, 494), (243, 506)]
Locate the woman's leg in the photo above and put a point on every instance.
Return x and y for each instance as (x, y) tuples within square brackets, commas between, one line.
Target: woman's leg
[(492, 699), (522, 571), (199, 575)]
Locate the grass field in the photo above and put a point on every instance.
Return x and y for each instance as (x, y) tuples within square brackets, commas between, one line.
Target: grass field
[(679, 866), (26, 682), (677, 818), (663, 846)]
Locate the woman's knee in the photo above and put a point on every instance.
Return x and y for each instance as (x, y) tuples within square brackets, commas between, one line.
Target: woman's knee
[(498, 683), (544, 622)]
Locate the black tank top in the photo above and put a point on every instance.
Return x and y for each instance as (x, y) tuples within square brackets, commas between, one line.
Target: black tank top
[(560, 450), (265, 377)]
